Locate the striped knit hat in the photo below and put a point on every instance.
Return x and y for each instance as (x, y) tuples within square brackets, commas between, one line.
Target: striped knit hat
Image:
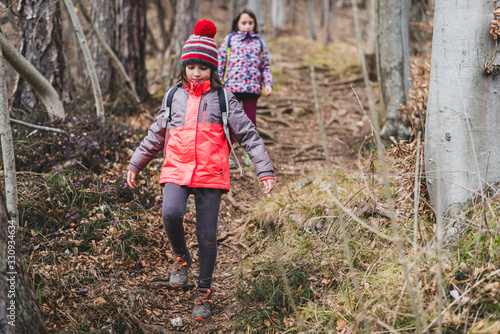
[(200, 48)]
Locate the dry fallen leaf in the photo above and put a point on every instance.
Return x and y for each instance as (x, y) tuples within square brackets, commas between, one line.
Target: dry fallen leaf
[(99, 301)]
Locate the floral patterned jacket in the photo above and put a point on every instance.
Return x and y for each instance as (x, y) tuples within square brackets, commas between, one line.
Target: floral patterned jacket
[(244, 63)]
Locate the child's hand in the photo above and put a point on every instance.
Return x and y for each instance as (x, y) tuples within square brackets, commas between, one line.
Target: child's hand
[(268, 90), (268, 185), (131, 179)]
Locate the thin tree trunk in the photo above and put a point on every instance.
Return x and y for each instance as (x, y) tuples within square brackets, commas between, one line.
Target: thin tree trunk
[(8, 150), (160, 16), (115, 62), (278, 16), (393, 64), (103, 18), (34, 78), (133, 32), (88, 60), (41, 43), (326, 22), (312, 20), (371, 40), (186, 14), (19, 311)]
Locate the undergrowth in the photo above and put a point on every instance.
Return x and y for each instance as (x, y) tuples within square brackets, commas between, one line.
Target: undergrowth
[(284, 233)]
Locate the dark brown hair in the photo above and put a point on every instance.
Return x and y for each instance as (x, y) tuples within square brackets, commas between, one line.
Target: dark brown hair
[(215, 82), (249, 12)]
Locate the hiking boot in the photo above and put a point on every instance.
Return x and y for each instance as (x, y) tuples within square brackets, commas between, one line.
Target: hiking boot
[(202, 304), (247, 161), (179, 271), (232, 164)]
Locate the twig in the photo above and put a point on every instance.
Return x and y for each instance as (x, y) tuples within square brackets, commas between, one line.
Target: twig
[(39, 127)]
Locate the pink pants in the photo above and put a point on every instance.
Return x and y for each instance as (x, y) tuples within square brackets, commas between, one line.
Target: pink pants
[(249, 102)]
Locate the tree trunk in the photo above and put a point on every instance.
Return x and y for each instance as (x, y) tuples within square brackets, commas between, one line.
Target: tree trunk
[(34, 78), (133, 42), (88, 59), (186, 16), (41, 43), (109, 53), (312, 20), (7, 147), (371, 41), (19, 311), (393, 64), (160, 15), (462, 149), (278, 16), (103, 13)]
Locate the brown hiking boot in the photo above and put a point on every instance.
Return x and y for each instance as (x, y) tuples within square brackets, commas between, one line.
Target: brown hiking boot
[(202, 304), (179, 271)]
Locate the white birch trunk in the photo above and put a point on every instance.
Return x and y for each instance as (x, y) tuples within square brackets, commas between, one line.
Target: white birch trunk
[(88, 59), (33, 77), (278, 16), (8, 156), (462, 145), (393, 63)]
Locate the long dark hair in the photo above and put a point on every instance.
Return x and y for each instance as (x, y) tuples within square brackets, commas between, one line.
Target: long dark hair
[(249, 12), (215, 82)]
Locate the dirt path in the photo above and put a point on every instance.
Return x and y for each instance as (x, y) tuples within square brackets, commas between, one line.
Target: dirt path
[(288, 124)]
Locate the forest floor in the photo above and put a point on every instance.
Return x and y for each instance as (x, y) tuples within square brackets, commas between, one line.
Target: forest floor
[(288, 123), (109, 272)]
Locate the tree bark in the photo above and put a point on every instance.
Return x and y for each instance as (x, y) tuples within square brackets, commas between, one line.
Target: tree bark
[(103, 16), (393, 56), (41, 43), (133, 32), (312, 20), (19, 311), (88, 59), (108, 52), (7, 147), (34, 78), (462, 149), (371, 41), (186, 16), (278, 16)]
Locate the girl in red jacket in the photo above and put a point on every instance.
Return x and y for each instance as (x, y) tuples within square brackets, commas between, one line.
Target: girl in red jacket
[(197, 159)]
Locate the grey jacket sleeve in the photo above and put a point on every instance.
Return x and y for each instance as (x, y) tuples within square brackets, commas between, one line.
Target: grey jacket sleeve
[(151, 144), (244, 131)]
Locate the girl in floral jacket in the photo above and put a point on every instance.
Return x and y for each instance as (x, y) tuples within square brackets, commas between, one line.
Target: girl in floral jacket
[(197, 159), (244, 63)]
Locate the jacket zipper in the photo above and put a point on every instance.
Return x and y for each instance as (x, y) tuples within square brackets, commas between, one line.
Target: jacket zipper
[(204, 111)]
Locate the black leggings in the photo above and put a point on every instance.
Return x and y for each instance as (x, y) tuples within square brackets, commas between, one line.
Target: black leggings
[(207, 203)]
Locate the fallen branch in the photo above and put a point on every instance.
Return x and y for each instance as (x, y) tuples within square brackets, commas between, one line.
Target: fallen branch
[(235, 204), (39, 127)]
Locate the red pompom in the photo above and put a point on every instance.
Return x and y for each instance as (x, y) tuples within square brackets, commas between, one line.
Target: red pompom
[(205, 28)]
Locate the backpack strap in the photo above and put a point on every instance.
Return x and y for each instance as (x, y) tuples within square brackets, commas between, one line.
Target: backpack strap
[(168, 103), (224, 108), (228, 53)]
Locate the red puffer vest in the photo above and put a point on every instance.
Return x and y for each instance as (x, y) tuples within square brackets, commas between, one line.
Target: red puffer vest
[(197, 153)]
